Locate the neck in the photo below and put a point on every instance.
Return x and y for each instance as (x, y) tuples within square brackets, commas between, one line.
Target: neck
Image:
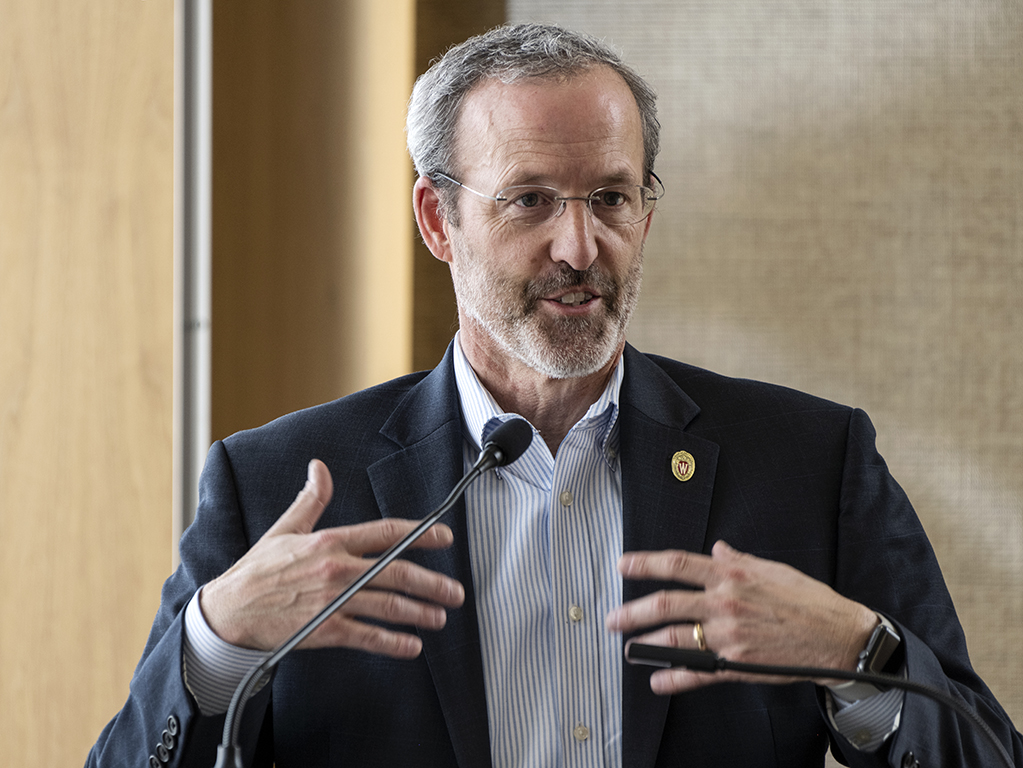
[(553, 406)]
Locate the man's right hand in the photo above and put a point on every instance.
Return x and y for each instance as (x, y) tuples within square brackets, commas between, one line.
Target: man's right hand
[(292, 572)]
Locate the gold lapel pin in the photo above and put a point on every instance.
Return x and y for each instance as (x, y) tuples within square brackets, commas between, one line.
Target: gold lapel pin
[(683, 465)]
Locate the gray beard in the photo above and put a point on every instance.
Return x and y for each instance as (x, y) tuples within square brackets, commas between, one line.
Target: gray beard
[(559, 348)]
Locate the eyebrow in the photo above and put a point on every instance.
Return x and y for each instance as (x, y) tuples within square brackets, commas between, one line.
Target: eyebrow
[(543, 180)]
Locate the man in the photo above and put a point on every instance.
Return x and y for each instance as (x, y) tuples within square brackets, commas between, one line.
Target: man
[(535, 149)]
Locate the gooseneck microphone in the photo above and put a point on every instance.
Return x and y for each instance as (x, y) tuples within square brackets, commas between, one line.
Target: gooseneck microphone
[(708, 661), (505, 444)]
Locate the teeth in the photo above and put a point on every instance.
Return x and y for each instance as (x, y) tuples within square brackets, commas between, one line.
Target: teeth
[(575, 299)]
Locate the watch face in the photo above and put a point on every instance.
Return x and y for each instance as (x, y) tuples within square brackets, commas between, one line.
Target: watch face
[(882, 644)]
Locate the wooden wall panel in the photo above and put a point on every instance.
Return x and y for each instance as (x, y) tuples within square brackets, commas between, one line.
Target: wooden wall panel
[(439, 25), (316, 291), (86, 146), (312, 222)]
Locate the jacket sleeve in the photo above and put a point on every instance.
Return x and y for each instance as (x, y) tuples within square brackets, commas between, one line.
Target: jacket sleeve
[(886, 562), (160, 718)]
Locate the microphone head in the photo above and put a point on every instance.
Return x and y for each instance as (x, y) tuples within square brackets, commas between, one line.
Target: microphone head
[(511, 439)]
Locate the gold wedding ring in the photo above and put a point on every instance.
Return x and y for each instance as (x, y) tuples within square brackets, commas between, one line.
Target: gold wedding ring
[(701, 642)]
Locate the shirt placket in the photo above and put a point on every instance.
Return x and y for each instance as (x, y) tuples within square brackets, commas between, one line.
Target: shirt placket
[(574, 600)]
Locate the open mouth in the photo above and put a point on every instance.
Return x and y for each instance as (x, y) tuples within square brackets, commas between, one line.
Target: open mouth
[(576, 299)]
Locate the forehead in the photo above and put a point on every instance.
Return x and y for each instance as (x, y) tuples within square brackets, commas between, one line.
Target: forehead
[(583, 128)]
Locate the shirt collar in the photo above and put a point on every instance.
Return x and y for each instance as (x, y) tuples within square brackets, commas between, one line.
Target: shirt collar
[(481, 414)]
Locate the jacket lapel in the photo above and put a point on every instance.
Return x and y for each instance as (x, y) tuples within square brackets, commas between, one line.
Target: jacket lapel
[(411, 483), (659, 512)]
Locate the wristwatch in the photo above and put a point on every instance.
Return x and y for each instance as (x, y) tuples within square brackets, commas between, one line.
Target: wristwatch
[(880, 656)]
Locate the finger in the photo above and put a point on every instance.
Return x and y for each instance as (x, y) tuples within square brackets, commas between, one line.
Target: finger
[(666, 682), (676, 679), (395, 608), (378, 535), (347, 632), (658, 608), (670, 565), (413, 580), (346, 628), (336, 560), (679, 679), (723, 552), (307, 507), (674, 636)]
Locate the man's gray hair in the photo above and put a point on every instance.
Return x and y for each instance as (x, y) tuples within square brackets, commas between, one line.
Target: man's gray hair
[(508, 54)]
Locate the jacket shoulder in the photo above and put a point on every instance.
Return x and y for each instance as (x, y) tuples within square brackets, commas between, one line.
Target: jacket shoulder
[(363, 411), (714, 392)]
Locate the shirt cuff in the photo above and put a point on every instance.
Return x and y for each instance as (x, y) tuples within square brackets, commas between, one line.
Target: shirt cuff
[(868, 722), (213, 668)]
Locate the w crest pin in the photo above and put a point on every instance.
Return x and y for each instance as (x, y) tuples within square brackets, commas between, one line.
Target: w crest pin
[(683, 465)]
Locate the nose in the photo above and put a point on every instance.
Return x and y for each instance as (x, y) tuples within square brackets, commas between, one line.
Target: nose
[(573, 239)]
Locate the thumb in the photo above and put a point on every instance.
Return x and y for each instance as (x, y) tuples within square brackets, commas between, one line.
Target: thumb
[(307, 507)]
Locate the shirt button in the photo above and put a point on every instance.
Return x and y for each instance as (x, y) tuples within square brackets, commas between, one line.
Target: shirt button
[(565, 498), (575, 613), (861, 737), (611, 453), (581, 732)]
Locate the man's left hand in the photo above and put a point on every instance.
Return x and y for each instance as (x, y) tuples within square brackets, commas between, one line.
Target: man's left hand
[(750, 609)]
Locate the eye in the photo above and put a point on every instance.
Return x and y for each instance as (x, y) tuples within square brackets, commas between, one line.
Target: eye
[(611, 198), (530, 198)]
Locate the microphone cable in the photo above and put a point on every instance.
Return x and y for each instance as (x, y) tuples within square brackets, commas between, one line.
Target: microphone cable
[(708, 661)]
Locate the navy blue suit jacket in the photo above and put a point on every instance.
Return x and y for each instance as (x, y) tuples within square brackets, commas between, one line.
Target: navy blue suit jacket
[(780, 474)]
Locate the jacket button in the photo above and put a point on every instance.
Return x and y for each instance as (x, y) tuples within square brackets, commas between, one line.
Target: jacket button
[(163, 754), (167, 739), (909, 761), (153, 762), (172, 725)]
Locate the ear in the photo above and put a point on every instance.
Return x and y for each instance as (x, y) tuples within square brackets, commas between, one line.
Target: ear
[(432, 224), (647, 223), (650, 216)]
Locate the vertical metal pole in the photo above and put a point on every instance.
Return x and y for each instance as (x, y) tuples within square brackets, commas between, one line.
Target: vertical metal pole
[(192, 253)]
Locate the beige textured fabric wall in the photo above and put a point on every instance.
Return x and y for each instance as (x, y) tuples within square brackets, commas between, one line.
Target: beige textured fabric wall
[(845, 216)]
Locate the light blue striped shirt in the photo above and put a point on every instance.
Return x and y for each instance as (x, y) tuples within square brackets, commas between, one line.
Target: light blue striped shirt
[(545, 534)]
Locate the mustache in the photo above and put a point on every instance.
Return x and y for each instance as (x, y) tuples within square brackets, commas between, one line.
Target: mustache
[(566, 278)]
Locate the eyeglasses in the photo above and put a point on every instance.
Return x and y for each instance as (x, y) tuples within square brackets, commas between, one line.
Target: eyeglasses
[(616, 206)]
